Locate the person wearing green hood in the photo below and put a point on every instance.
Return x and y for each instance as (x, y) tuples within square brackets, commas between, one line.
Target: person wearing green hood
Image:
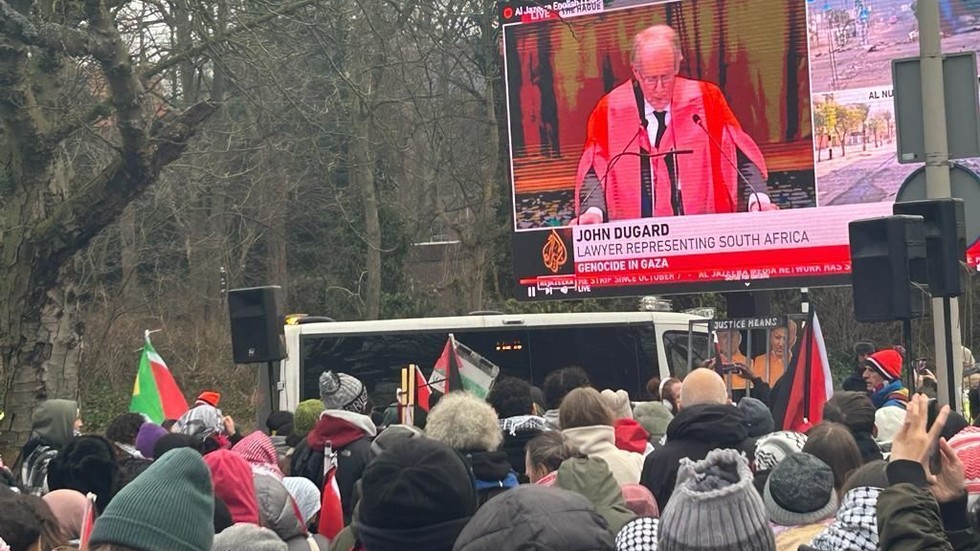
[(591, 477), (53, 423)]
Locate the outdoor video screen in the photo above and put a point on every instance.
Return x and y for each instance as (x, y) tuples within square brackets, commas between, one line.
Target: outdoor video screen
[(710, 145)]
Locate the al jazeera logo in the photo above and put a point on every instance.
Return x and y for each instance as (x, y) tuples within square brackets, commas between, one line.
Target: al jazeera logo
[(554, 253)]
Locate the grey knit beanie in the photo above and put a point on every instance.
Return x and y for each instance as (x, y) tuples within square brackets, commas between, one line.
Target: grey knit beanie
[(342, 391), (800, 491), (715, 507), (248, 537)]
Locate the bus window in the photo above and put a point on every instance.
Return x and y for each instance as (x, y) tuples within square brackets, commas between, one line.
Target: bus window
[(675, 348), (621, 356)]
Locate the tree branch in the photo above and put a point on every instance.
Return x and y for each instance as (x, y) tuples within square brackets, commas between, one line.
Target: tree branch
[(19, 110), (206, 45), (99, 203), (50, 36), (125, 88)]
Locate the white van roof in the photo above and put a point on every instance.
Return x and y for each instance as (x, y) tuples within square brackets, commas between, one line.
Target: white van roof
[(490, 321)]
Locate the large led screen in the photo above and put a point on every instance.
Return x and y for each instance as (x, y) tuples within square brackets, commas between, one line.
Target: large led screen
[(663, 147)]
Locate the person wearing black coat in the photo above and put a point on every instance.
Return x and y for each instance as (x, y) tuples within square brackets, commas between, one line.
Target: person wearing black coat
[(706, 421)]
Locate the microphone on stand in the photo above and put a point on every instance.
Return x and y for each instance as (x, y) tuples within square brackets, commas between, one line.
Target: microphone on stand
[(697, 120)]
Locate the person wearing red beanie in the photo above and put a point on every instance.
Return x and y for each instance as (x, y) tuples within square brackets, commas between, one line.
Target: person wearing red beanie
[(208, 397), (883, 375)]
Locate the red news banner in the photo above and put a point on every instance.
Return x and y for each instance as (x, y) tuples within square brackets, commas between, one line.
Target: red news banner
[(724, 247)]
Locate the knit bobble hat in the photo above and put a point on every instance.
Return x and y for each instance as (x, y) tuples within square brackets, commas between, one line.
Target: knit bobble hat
[(715, 507), (887, 363), (800, 491), (307, 414), (170, 507), (341, 391)]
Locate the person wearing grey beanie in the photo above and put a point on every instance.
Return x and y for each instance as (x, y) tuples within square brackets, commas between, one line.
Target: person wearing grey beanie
[(715, 507), (340, 391), (247, 537)]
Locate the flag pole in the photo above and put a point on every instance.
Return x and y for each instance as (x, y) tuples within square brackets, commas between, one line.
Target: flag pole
[(410, 410), (807, 367)]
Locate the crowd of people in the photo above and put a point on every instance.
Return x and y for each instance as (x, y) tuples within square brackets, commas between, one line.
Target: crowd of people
[(565, 467)]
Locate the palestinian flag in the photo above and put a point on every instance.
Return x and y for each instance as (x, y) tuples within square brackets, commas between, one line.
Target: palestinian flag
[(155, 393), (799, 395), (461, 368)]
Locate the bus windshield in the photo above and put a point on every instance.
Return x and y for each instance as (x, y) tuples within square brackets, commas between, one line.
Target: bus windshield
[(621, 356)]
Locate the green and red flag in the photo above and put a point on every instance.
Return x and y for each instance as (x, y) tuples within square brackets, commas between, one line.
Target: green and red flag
[(155, 393)]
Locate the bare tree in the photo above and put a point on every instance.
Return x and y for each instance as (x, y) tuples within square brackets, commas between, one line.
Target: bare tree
[(51, 206)]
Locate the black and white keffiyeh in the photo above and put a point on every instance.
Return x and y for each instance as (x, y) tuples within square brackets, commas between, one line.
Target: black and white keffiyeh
[(640, 534), (523, 423), (774, 447), (856, 526)]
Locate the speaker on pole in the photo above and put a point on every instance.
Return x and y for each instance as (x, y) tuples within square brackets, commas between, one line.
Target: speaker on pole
[(888, 254), (256, 324), (945, 234)]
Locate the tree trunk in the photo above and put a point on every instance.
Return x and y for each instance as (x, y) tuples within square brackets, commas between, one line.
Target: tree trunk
[(129, 256), (362, 178), (42, 362)]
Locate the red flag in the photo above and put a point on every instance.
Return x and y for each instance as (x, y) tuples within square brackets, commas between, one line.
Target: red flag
[(88, 521), (802, 391), (331, 510), (422, 387)]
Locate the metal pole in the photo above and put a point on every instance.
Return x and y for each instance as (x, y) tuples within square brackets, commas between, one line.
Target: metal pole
[(273, 385), (909, 354), (949, 351)]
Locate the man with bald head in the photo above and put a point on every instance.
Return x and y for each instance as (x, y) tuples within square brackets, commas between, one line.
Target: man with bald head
[(707, 421), (617, 181)]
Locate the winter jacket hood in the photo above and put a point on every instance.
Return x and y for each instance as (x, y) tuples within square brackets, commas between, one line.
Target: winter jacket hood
[(491, 469), (654, 416), (232, 478), (600, 441), (54, 421), (535, 518), (277, 510), (279, 513), (592, 478), (631, 436), (721, 424), (340, 428)]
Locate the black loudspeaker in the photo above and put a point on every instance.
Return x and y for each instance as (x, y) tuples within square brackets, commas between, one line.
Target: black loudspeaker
[(256, 324), (945, 232), (885, 253)]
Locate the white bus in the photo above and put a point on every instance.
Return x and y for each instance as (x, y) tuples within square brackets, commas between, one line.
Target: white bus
[(617, 349)]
